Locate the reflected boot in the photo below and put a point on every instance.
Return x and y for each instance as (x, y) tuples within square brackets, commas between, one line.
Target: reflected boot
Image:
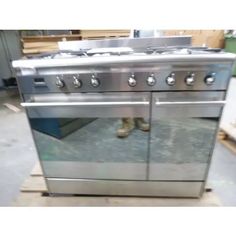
[(142, 124), (127, 127)]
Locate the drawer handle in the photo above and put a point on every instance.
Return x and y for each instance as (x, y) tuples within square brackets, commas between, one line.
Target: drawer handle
[(220, 103), (65, 104)]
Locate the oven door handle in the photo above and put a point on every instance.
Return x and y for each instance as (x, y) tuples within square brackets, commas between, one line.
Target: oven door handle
[(209, 103), (68, 104)]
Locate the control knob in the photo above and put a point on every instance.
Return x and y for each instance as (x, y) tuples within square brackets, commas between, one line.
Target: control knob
[(210, 79), (170, 80), (59, 82), (77, 83), (190, 79), (151, 80), (94, 81), (132, 81)]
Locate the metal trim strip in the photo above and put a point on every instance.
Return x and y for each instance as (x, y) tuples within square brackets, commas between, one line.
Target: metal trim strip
[(124, 188)]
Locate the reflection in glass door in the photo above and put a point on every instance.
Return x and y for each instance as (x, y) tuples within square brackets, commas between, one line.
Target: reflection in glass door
[(182, 136), (94, 142)]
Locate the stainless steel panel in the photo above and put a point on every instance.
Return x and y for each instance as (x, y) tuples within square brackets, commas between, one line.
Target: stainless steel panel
[(5, 67), (10, 49), (135, 43), (221, 78), (127, 61), (125, 188), (88, 105), (187, 110), (130, 171), (183, 134), (187, 104), (177, 171), (92, 170), (186, 96), (116, 79), (201, 103)]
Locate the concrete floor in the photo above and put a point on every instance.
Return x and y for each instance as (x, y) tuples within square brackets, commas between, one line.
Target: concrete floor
[(222, 175), (18, 155), (17, 151)]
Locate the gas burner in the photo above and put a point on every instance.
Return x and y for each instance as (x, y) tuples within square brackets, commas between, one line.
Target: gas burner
[(83, 53), (58, 54), (182, 50), (111, 51), (120, 51)]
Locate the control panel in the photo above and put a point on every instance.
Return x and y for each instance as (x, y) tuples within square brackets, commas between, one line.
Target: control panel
[(160, 80)]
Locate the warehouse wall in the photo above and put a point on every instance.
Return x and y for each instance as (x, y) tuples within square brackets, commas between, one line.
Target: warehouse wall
[(10, 49), (209, 38)]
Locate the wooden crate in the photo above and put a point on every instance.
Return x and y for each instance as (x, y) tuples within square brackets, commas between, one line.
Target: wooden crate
[(49, 43), (40, 44), (210, 38), (34, 193)]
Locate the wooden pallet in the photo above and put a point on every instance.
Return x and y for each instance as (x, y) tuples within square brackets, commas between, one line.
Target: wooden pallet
[(227, 136), (34, 193)]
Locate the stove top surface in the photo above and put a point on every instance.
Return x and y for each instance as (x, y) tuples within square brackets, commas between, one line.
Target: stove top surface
[(121, 51)]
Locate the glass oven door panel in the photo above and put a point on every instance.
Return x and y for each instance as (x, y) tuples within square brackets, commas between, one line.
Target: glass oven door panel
[(182, 136), (89, 147)]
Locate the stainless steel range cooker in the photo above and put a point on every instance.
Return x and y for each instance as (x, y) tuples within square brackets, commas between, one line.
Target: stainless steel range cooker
[(77, 101)]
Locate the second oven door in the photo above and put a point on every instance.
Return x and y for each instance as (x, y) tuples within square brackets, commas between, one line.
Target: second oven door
[(76, 134), (183, 131)]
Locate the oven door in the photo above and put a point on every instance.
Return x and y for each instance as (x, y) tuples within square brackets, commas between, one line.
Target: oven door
[(76, 134), (184, 126)]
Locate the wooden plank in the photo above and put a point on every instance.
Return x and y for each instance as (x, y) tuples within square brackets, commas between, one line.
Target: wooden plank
[(29, 45), (227, 136), (230, 130), (39, 50), (12, 107), (230, 144), (34, 184), (37, 170), (104, 33), (222, 135), (50, 38), (36, 199), (98, 38)]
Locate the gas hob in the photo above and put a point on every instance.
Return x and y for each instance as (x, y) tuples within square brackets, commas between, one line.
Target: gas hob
[(171, 68)]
